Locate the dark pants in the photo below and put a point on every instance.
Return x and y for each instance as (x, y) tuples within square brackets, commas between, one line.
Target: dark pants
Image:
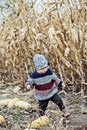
[(44, 103)]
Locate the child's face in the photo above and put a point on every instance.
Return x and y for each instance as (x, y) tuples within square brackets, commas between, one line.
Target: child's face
[(43, 70)]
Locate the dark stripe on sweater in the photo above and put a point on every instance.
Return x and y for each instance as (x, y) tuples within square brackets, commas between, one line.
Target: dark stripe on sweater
[(44, 86), (37, 75)]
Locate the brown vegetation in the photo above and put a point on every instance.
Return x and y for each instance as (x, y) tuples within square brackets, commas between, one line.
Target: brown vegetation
[(59, 32)]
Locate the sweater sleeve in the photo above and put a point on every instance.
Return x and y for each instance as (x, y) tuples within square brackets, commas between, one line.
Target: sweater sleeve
[(57, 80), (29, 81)]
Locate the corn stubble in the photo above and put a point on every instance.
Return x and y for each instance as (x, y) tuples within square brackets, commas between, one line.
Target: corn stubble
[(60, 33)]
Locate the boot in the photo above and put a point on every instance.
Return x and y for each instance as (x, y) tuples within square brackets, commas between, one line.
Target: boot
[(65, 113)]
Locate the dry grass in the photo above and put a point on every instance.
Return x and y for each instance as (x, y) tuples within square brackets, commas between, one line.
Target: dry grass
[(60, 33)]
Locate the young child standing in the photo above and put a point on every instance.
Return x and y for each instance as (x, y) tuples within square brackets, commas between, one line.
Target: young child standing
[(46, 83)]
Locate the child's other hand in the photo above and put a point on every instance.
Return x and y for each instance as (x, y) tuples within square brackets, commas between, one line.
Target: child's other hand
[(63, 85), (28, 87)]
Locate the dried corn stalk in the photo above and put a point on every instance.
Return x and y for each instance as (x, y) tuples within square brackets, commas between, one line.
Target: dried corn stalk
[(59, 32)]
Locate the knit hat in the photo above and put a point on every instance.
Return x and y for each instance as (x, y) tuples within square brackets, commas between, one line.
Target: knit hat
[(40, 61)]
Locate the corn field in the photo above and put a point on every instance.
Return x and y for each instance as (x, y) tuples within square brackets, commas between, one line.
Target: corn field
[(59, 32)]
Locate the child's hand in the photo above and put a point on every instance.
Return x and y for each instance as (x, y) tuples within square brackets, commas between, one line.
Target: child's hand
[(28, 87), (63, 85)]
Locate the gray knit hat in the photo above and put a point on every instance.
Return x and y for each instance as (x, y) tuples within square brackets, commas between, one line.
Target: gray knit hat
[(40, 61)]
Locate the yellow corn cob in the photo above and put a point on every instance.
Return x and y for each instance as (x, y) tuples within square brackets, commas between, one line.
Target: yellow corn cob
[(2, 119), (12, 102), (4, 102), (23, 105), (42, 121)]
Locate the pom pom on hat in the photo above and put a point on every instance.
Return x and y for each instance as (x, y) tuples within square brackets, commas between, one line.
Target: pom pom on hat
[(40, 62)]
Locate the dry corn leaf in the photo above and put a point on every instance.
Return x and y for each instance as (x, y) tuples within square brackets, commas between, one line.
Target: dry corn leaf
[(67, 51)]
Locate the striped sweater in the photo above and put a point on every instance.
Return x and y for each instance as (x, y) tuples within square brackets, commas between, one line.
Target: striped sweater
[(45, 84)]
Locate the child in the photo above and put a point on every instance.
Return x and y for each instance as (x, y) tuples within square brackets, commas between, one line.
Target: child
[(46, 83)]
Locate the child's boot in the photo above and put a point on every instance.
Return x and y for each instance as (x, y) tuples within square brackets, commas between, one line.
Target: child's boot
[(65, 113)]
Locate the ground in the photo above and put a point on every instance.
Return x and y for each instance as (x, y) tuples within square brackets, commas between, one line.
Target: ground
[(16, 118)]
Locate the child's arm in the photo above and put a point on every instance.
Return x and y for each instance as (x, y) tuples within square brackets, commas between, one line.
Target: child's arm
[(29, 84), (58, 81), (28, 87), (63, 85)]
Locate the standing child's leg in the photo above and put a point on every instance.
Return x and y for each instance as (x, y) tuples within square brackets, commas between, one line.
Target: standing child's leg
[(57, 100), (42, 106)]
